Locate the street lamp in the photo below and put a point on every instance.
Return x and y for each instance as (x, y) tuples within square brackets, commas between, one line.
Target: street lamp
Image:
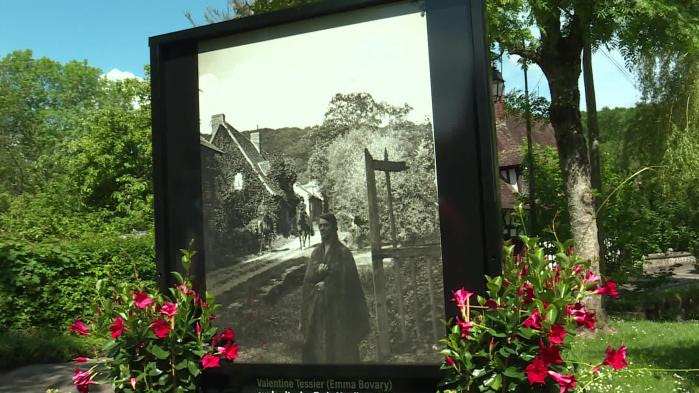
[(497, 85)]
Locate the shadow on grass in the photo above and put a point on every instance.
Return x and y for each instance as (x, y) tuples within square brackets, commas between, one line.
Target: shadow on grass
[(679, 355)]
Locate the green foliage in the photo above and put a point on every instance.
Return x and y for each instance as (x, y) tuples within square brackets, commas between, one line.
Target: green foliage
[(160, 342), (528, 316), (41, 105), (48, 284), (551, 205), (37, 345), (667, 304), (515, 103)]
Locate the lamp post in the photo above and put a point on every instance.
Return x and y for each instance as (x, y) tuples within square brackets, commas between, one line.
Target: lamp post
[(497, 85)]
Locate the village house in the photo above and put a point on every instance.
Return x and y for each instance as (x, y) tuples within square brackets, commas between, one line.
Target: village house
[(234, 186), (511, 134)]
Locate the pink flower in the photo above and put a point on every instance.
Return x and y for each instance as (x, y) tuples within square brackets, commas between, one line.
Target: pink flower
[(491, 345), (117, 327), (461, 297), (464, 326), (609, 288), (565, 382), (450, 361), (80, 328), (230, 351), (228, 334), (82, 380), (197, 328), (169, 309), (557, 334), (591, 276), (536, 371), (581, 315), (533, 321), (81, 359), (577, 269), (132, 381), (184, 289), (209, 361), (161, 328), (142, 299), (518, 258), (615, 358)]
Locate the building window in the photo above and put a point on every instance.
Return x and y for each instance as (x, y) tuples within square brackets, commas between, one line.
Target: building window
[(238, 182)]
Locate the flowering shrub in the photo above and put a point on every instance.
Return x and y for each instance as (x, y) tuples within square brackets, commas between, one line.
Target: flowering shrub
[(158, 343), (513, 340)]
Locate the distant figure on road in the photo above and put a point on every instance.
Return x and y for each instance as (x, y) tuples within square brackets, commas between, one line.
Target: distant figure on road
[(334, 313)]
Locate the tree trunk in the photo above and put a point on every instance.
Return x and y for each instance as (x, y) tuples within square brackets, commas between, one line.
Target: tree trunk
[(593, 142), (563, 71)]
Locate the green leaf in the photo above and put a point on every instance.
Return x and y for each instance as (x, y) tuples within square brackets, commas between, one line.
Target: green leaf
[(552, 313), (181, 365), (179, 277), (495, 381), (158, 352), (513, 372), (478, 373), (193, 368)]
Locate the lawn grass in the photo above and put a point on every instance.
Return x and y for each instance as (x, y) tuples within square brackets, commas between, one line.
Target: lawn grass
[(32, 346), (651, 345)]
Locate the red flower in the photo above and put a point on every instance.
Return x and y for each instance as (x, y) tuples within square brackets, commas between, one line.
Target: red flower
[(491, 303), (518, 258), (615, 358), (450, 361), (465, 327), (161, 328), (169, 309), (132, 381), (80, 328), (577, 269), (142, 299), (228, 334), (197, 328), (209, 361), (536, 371), (549, 354), (82, 380), (117, 327), (461, 297), (524, 270), (609, 288), (565, 382), (80, 359), (230, 351), (557, 334), (212, 317), (533, 321)]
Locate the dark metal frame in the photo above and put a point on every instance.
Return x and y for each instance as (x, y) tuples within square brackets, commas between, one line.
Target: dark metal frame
[(465, 153)]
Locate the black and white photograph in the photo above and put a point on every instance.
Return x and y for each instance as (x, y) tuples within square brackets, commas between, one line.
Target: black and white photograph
[(319, 191)]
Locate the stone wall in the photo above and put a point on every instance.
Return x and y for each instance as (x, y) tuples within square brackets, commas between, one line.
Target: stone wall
[(667, 260)]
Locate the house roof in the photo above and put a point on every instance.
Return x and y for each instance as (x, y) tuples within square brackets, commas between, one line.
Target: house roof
[(258, 162), (209, 145), (512, 137)]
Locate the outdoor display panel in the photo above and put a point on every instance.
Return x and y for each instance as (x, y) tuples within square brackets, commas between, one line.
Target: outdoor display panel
[(334, 164)]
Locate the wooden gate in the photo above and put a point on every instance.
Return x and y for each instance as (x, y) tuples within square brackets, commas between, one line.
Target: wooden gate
[(380, 251)]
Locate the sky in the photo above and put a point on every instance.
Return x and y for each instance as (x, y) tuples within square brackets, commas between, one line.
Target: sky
[(113, 36), (387, 58)]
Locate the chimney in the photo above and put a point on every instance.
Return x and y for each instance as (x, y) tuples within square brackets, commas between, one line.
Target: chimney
[(217, 120), (255, 139)]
